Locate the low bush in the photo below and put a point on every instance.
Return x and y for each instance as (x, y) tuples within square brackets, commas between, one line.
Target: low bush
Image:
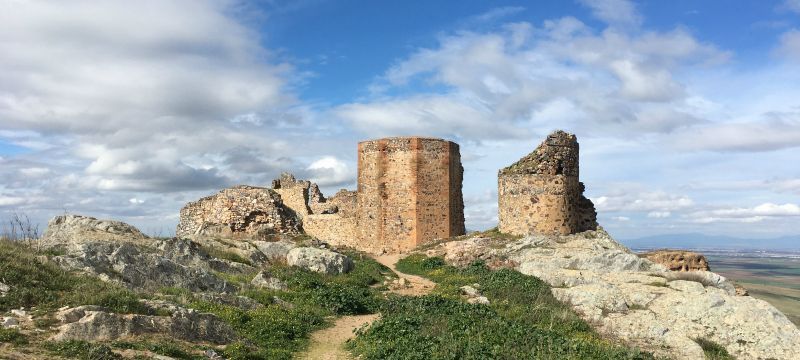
[(523, 320), (712, 350), (12, 336)]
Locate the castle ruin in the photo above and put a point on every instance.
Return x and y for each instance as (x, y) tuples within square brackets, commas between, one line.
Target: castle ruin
[(541, 193)]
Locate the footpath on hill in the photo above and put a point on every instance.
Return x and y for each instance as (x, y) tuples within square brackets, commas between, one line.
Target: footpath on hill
[(328, 343)]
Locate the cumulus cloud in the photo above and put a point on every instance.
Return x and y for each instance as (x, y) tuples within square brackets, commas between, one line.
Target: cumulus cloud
[(655, 203), (750, 214), (330, 171), (500, 84), (145, 93), (793, 5), (775, 130)]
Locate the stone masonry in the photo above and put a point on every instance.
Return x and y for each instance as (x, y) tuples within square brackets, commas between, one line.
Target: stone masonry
[(240, 210), (541, 193), (409, 193)]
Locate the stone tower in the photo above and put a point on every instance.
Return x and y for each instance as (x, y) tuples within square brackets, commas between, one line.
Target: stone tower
[(409, 192), (541, 193)]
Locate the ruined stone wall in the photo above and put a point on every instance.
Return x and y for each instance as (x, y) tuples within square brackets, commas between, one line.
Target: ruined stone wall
[(541, 193), (409, 193), (240, 210), (345, 201), (334, 229)]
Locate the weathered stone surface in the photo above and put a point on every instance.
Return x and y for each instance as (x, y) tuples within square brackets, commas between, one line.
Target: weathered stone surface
[(74, 229), (678, 260), (319, 260), (638, 301), (409, 193), (245, 211), (4, 289), (275, 250), (241, 302), (265, 281), (97, 324), (541, 193)]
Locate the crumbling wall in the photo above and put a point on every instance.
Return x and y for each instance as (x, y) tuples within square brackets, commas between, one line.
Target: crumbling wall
[(541, 193), (334, 229), (409, 193), (240, 210)]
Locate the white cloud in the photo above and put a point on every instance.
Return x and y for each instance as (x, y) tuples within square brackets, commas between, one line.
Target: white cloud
[(330, 171), (656, 203), (747, 215), (776, 130), (620, 12), (789, 45), (659, 214), (11, 200), (144, 93), (500, 84), (136, 201), (621, 218)]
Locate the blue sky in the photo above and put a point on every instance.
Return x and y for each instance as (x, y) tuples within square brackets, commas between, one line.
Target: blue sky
[(687, 111)]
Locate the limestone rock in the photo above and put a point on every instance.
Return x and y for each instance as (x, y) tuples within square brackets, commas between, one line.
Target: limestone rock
[(319, 260), (275, 250), (4, 289), (181, 265), (93, 324), (638, 301), (678, 260), (265, 281), (75, 229), (8, 322), (241, 302), (246, 211)]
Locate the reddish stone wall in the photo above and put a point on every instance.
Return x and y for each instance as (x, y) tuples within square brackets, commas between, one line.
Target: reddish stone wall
[(409, 193)]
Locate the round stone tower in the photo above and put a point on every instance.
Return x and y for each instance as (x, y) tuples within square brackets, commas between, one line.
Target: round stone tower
[(409, 192), (541, 193)]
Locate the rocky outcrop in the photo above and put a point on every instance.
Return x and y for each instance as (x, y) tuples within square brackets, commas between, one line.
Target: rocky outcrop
[(319, 260), (243, 211), (77, 229), (636, 300), (265, 281), (678, 260), (94, 323)]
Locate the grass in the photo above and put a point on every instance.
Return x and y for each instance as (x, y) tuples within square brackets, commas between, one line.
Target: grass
[(277, 331), (81, 350), (12, 336), (160, 347), (523, 320), (226, 255), (712, 350), (48, 287)]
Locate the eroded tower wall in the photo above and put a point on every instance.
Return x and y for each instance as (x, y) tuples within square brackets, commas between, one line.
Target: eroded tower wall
[(541, 193)]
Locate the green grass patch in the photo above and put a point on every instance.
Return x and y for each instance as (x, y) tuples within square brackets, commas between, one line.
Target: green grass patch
[(712, 350), (162, 347), (226, 255), (12, 336), (47, 286), (523, 321), (277, 331)]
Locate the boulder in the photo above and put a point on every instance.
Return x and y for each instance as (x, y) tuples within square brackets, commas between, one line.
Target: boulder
[(678, 260), (275, 250), (4, 289), (64, 230), (319, 260), (97, 324), (265, 281)]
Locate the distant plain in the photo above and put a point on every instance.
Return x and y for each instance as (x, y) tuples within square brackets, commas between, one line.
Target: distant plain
[(774, 279)]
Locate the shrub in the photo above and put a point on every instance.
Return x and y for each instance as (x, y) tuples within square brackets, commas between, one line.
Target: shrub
[(12, 336), (712, 350)]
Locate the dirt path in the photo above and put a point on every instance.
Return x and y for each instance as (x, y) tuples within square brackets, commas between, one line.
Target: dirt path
[(328, 344), (417, 286)]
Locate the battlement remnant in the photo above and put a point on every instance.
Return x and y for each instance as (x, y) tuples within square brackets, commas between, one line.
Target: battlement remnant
[(541, 194)]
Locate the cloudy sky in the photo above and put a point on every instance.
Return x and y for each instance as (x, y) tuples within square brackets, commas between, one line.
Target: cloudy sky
[(688, 113)]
